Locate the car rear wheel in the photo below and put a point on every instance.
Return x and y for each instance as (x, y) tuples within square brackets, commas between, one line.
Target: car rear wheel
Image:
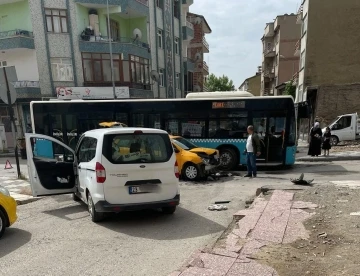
[(95, 216), (191, 172), (168, 210), (2, 223)]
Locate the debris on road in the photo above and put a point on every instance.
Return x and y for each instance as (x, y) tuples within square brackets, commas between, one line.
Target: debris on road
[(301, 181), (217, 207)]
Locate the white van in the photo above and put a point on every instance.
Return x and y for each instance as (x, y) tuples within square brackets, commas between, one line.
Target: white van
[(344, 128), (111, 170)]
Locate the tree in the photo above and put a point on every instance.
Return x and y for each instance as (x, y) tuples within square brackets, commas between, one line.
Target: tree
[(290, 90), (223, 83)]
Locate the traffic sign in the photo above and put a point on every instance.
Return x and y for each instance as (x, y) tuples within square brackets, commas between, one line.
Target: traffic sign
[(11, 80)]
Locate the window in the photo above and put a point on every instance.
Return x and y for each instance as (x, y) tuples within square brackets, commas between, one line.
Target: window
[(177, 81), (304, 26), (87, 149), (302, 60), (135, 149), (3, 64), (343, 122), (56, 21), (176, 45), (160, 3), (97, 67), (161, 39), (62, 69), (162, 77), (139, 70), (228, 128), (177, 9), (46, 149)]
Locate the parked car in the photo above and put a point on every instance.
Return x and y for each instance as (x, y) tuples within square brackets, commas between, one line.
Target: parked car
[(194, 162), (111, 170), (7, 210)]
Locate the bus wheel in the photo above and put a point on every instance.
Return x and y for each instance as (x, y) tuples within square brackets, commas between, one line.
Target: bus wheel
[(334, 140), (228, 158)]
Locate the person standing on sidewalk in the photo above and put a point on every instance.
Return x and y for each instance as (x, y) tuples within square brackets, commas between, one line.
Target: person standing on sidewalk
[(252, 151)]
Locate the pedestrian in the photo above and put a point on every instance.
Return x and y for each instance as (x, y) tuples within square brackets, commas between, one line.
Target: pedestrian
[(326, 141), (315, 140), (253, 150)]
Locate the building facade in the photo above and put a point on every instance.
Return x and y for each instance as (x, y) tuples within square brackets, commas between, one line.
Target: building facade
[(328, 79), (278, 61), (196, 50), (252, 84), (56, 45)]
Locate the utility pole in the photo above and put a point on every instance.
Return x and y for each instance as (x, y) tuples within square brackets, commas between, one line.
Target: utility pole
[(110, 49)]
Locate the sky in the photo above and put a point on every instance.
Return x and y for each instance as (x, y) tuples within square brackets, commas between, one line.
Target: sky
[(237, 27)]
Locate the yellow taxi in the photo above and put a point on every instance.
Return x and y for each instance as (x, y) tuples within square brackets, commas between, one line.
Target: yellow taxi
[(7, 210), (194, 162)]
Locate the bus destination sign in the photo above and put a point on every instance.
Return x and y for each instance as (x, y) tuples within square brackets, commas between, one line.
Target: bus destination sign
[(233, 104)]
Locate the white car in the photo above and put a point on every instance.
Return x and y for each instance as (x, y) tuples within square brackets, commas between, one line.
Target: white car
[(111, 170)]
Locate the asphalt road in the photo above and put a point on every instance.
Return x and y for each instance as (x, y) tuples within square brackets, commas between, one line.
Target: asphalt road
[(54, 236)]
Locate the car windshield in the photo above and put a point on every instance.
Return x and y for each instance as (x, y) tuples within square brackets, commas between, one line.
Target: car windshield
[(333, 122), (184, 143)]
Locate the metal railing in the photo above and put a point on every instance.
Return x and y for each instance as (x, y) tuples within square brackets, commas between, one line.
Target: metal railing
[(205, 43), (269, 71), (297, 47), (22, 84), (93, 38), (16, 33), (269, 48), (205, 67), (144, 2)]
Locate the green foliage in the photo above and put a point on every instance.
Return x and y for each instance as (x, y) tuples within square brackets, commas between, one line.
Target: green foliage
[(223, 83), (290, 90)]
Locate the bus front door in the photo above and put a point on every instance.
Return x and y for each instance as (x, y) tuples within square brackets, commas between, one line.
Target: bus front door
[(274, 139)]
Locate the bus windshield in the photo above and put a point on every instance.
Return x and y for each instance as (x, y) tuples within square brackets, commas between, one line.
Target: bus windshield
[(184, 143)]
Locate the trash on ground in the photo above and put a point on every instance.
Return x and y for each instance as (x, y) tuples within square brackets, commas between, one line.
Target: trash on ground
[(217, 207), (355, 214), (301, 181)]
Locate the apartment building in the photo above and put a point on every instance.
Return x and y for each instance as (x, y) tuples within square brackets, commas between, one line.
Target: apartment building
[(65, 44), (252, 84), (278, 61), (196, 50), (328, 80)]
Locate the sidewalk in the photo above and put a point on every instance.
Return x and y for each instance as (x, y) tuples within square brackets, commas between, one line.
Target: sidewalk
[(335, 156), (278, 220)]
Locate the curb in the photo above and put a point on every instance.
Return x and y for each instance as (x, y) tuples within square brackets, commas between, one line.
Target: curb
[(328, 159), (27, 200)]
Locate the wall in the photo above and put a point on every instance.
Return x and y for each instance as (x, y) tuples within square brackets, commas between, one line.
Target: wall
[(334, 100), (254, 85), (333, 46), (15, 16), (24, 61)]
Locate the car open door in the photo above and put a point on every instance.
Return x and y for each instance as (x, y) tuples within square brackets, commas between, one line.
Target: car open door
[(51, 165)]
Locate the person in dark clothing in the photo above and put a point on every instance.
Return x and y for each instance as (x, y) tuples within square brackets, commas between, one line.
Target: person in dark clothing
[(326, 142), (253, 149), (315, 140)]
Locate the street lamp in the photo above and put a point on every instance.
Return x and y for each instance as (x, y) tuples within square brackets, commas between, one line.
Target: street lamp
[(110, 49)]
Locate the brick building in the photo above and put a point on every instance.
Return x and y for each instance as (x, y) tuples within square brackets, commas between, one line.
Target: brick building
[(328, 79), (196, 49), (278, 61)]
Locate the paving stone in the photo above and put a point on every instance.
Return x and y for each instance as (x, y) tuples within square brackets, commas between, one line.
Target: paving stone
[(225, 252), (303, 205), (216, 262), (295, 228), (251, 269), (252, 247), (196, 271)]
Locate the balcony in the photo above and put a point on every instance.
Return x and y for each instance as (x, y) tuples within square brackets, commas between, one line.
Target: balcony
[(189, 64), (269, 73), (27, 89), (188, 31), (267, 92), (195, 43), (297, 48), (202, 67), (299, 15), (16, 39), (269, 30), (295, 78), (122, 45), (187, 3), (123, 8), (269, 51)]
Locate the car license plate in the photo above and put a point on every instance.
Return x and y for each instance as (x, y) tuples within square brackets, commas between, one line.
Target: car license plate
[(134, 190)]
